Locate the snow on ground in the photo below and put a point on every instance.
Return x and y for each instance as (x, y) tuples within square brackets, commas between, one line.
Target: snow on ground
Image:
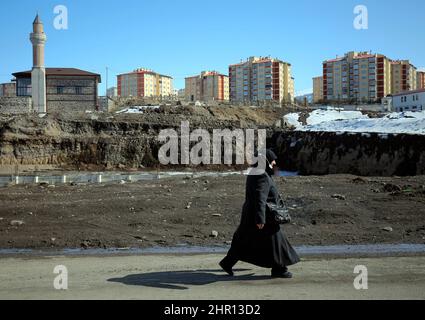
[(332, 120), (291, 120), (137, 109), (319, 116)]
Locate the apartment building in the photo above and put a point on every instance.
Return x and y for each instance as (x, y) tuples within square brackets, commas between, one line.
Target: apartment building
[(403, 76), (208, 86), (144, 83), (317, 89), (420, 80), (358, 76), (261, 79)]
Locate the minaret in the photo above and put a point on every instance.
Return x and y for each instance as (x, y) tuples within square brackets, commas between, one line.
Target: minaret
[(38, 75)]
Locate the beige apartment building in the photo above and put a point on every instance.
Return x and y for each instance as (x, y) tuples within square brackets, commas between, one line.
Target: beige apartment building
[(357, 76), (366, 77), (317, 89), (420, 80), (144, 83), (261, 79), (403, 76), (208, 86)]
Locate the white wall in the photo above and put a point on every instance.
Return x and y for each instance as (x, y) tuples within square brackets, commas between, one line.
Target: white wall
[(409, 102)]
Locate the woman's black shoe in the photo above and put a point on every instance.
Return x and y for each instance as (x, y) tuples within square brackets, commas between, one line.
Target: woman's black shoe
[(226, 268), (284, 275)]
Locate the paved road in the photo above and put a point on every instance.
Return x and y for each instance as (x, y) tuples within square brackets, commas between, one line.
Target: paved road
[(197, 277)]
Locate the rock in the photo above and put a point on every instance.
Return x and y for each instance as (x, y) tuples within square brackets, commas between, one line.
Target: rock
[(16, 223), (85, 244), (30, 213), (122, 182), (1, 219), (389, 187), (121, 166), (216, 215), (228, 242), (339, 197), (53, 239), (359, 180), (214, 234), (188, 236), (189, 205), (388, 229)]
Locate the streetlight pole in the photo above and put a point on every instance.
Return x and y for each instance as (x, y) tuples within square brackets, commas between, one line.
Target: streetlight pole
[(107, 73)]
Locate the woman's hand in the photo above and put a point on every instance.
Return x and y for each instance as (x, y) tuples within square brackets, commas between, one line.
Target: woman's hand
[(260, 226)]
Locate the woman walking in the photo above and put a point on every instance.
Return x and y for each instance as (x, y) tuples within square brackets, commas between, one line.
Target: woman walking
[(259, 240)]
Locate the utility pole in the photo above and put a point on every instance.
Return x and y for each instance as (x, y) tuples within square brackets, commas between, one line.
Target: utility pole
[(107, 72)]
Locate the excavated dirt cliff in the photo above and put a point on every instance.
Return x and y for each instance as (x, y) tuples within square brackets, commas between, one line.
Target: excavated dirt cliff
[(126, 140), (320, 153), (130, 141)]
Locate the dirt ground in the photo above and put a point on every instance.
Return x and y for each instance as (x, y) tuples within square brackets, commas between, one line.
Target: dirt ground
[(326, 210)]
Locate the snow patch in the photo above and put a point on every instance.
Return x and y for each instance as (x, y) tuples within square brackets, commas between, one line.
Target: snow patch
[(335, 120), (292, 120), (332, 114), (136, 109)]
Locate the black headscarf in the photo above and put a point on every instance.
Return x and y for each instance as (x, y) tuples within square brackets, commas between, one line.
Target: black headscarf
[(271, 156)]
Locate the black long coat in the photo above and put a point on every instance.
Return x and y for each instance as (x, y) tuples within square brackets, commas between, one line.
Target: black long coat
[(268, 247)]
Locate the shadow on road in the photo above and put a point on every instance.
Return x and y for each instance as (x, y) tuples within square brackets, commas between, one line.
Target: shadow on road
[(179, 280)]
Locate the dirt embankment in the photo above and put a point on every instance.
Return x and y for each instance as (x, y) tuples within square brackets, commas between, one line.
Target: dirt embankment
[(319, 153), (125, 140), (326, 210), (130, 141)]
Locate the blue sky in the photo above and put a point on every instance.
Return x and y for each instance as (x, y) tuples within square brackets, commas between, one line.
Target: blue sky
[(182, 38)]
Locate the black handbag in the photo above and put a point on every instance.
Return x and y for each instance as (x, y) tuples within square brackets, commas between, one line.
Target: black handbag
[(279, 213)]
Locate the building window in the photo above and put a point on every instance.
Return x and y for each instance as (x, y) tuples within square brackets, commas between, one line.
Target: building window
[(59, 90), (23, 87), (78, 90)]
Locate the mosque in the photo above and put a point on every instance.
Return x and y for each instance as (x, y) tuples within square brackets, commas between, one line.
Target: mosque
[(56, 89)]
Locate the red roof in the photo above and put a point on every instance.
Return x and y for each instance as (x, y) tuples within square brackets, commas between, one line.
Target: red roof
[(364, 56), (334, 60), (144, 71), (408, 92), (60, 72)]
